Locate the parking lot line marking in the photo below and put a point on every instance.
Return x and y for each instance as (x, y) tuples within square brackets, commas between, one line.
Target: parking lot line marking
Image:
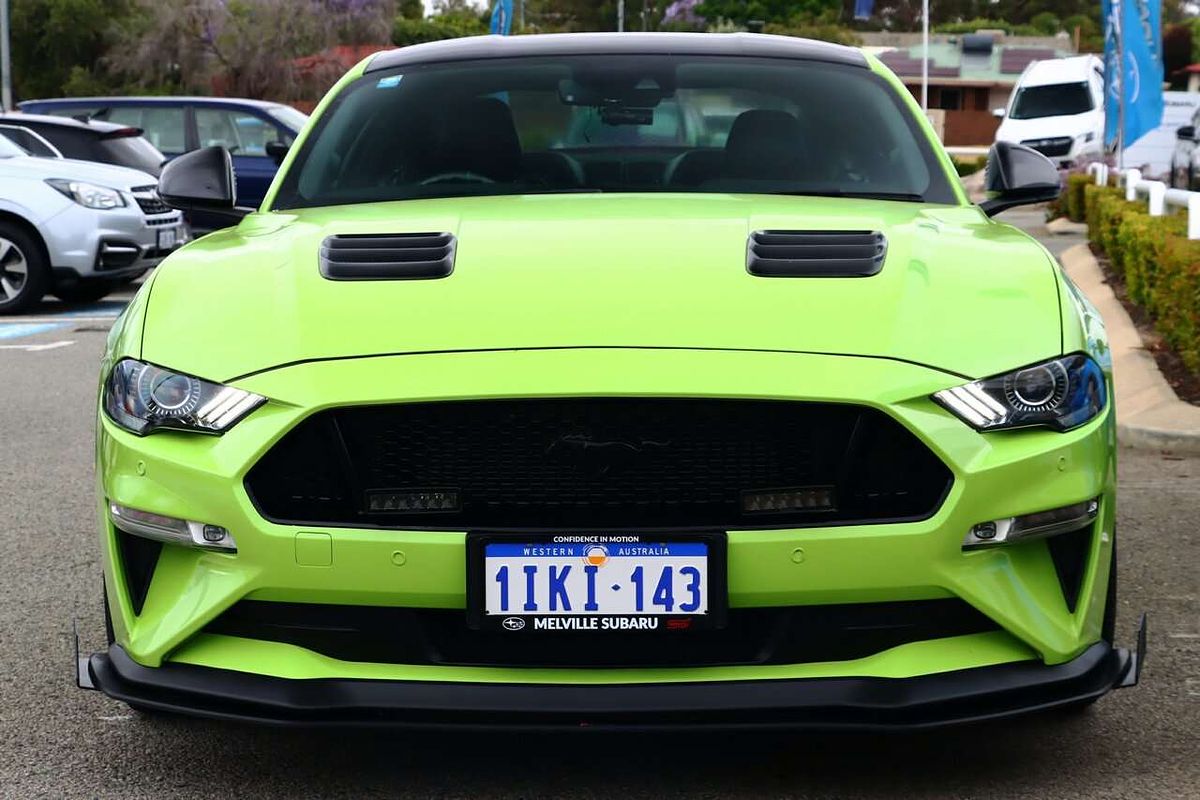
[(95, 312), (37, 348), (16, 330)]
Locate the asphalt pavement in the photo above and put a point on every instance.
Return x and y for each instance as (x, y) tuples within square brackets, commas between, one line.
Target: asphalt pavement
[(58, 741)]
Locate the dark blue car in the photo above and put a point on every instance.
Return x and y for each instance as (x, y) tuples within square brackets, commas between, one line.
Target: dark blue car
[(257, 133)]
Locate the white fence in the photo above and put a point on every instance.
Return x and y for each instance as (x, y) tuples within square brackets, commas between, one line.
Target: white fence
[(1158, 194)]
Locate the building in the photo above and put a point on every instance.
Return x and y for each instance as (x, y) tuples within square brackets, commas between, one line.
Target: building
[(970, 75)]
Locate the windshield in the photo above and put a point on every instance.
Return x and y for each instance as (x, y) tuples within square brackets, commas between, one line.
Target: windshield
[(9, 149), (290, 117), (617, 123), (1051, 100), (134, 152)]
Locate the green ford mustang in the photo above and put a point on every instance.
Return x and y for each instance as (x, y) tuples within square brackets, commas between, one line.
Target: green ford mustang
[(610, 380)]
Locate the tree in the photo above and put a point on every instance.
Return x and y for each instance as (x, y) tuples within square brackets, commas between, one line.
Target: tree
[(769, 11), (410, 9), (245, 46), (54, 41)]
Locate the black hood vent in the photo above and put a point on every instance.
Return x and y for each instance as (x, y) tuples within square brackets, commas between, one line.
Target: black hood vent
[(387, 257), (815, 254)]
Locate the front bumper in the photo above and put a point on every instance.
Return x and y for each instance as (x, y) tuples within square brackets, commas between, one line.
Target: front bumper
[(861, 704), (201, 478), (86, 243)]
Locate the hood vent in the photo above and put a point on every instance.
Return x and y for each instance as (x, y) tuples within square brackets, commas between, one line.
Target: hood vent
[(815, 254), (387, 257)]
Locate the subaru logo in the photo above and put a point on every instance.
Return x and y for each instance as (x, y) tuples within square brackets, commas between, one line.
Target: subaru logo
[(513, 623)]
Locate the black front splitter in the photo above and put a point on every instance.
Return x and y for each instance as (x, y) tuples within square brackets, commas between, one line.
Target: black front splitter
[(866, 704)]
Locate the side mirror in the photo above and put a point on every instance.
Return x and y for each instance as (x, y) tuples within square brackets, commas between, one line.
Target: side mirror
[(276, 151), (201, 180), (998, 112), (1016, 176), (1187, 133)]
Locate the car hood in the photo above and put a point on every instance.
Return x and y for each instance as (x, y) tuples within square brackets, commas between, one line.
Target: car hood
[(957, 291), (107, 175), (1020, 130)]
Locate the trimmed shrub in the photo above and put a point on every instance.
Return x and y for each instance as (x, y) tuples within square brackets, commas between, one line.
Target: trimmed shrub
[(1159, 264), (1076, 183), (968, 166), (1176, 293)]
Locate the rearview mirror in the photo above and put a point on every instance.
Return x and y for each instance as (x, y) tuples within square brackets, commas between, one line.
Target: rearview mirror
[(1016, 176), (1187, 133), (201, 180)]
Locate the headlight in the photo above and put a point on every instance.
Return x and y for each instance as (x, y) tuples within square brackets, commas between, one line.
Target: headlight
[(88, 195), (1060, 394), (142, 398)]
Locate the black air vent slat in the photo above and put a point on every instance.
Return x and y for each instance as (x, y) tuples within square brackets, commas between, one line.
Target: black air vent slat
[(378, 255), (815, 254), (404, 256), (816, 251)]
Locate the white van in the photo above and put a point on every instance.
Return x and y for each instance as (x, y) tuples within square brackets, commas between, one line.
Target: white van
[(1057, 108)]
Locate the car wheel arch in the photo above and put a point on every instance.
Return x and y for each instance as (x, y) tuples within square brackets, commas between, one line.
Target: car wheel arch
[(29, 228)]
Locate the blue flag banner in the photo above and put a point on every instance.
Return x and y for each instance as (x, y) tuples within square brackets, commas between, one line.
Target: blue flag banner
[(1132, 28), (863, 9), (502, 17)]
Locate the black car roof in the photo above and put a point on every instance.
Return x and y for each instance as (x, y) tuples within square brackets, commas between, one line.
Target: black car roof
[(95, 125), (561, 44)]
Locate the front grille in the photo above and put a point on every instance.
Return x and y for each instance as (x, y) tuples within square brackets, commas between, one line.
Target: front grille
[(786, 635), (148, 200), (598, 463), (1058, 146)]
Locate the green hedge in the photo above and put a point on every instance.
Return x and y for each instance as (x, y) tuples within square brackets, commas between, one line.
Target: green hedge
[(968, 166), (1159, 264), (1073, 197)]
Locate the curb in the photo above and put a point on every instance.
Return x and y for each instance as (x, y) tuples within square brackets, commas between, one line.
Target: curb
[(1149, 413), (1062, 226)]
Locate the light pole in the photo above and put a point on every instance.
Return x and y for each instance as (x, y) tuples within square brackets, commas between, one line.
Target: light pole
[(620, 15), (5, 60), (925, 56)]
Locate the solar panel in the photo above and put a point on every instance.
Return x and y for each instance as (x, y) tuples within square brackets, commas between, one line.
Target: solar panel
[(1015, 59)]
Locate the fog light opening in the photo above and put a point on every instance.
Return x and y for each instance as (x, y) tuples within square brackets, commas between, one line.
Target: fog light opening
[(1037, 525), (171, 530)]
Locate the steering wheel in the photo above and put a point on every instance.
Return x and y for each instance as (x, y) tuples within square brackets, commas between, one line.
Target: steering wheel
[(443, 177)]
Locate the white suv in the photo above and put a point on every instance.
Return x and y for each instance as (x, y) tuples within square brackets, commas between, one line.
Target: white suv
[(1057, 108), (76, 229)]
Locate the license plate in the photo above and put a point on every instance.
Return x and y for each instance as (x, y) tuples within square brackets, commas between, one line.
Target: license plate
[(599, 583), (167, 239)]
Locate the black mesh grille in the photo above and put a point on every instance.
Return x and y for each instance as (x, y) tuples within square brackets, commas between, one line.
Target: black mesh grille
[(1058, 146), (1069, 551), (139, 558), (148, 200), (600, 463), (790, 635), (815, 254)]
